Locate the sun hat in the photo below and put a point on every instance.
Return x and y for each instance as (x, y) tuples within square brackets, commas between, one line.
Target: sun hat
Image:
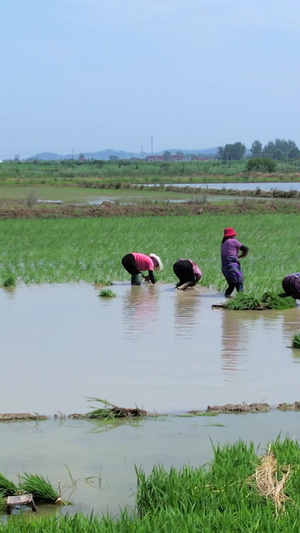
[(159, 266), (229, 232)]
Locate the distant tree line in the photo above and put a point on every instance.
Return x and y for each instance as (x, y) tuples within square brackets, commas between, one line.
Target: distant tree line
[(279, 150)]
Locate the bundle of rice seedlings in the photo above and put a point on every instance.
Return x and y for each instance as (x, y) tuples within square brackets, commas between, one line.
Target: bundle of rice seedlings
[(243, 302), (39, 487), (107, 293), (111, 412), (267, 483), (278, 301), (7, 487), (296, 340)]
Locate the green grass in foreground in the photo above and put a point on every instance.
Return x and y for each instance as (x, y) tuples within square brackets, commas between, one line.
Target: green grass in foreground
[(71, 250), (219, 497)]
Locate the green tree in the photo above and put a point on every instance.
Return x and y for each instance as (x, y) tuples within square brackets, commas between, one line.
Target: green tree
[(167, 155), (294, 153), (256, 149), (232, 151), (280, 149)]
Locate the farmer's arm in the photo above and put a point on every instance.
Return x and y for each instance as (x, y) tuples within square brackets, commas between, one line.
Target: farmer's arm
[(244, 251), (151, 276)]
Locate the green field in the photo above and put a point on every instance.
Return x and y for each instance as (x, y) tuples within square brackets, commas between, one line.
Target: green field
[(122, 171), (90, 249)]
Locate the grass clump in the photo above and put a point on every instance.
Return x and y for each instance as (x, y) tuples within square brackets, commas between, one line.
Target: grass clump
[(107, 293), (39, 487), (7, 487), (9, 281), (296, 341)]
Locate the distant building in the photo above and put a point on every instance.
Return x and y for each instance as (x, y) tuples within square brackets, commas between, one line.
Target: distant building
[(154, 158)]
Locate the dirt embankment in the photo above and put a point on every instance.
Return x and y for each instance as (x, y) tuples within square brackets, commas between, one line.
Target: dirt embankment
[(108, 209)]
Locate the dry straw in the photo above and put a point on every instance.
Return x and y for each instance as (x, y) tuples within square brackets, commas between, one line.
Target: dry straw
[(267, 483)]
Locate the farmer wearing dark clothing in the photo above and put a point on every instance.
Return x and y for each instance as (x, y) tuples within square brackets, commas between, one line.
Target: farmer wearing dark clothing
[(291, 285), (188, 273), (136, 263), (231, 268)]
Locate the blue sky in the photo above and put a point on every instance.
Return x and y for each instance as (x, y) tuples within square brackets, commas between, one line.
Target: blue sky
[(88, 75)]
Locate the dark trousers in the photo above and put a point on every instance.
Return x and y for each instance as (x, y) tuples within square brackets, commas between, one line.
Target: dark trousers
[(184, 271), (129, 264), (231, 286)]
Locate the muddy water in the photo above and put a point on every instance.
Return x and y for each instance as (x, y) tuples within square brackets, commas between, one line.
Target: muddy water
[(151, 346)]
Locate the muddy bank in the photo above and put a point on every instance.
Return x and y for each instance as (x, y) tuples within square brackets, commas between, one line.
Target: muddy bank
[(128, 413), (8, 417), (108, 209)]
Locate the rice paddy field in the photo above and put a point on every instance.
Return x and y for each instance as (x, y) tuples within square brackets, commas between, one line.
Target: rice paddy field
[(72, 250), (242, 489)]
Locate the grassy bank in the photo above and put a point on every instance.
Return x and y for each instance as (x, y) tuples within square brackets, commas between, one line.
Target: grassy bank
[(64, 172), (238, 492), (37, 251)]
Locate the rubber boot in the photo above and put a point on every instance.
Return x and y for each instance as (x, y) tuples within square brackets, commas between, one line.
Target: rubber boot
[(136, 279)]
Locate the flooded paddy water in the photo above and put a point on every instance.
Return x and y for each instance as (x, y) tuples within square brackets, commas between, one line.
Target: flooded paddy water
[(153, 347)]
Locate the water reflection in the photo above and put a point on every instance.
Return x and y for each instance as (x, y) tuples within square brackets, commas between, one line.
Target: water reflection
[(234, 335), (186, 312), (141, 306), (241, 332)]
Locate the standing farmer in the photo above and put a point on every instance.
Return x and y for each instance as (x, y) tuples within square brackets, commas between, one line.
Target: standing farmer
[(231, 268), (136, 263)]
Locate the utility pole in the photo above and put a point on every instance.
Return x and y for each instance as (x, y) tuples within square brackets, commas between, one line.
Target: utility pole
[(142, 153), (151, 144)]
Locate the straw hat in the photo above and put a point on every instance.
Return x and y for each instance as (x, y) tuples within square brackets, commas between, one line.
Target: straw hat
[(159, 266), (229, 232)]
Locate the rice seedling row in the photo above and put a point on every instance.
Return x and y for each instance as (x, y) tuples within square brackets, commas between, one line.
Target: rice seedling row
[(71, 250)]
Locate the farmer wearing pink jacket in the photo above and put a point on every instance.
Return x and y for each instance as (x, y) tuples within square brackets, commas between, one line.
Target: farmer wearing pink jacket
[(136, 263)]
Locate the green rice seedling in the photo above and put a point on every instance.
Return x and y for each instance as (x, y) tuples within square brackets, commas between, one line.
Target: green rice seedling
[(7, 487), (39, 487), (296, 340), (9, 281), (107, 293), (276, 301), (242, 302)]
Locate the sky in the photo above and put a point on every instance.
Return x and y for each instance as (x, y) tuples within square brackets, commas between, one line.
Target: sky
[(80, 76)]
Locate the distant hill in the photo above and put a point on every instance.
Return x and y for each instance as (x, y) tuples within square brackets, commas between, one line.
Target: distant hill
[(105, 155)]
